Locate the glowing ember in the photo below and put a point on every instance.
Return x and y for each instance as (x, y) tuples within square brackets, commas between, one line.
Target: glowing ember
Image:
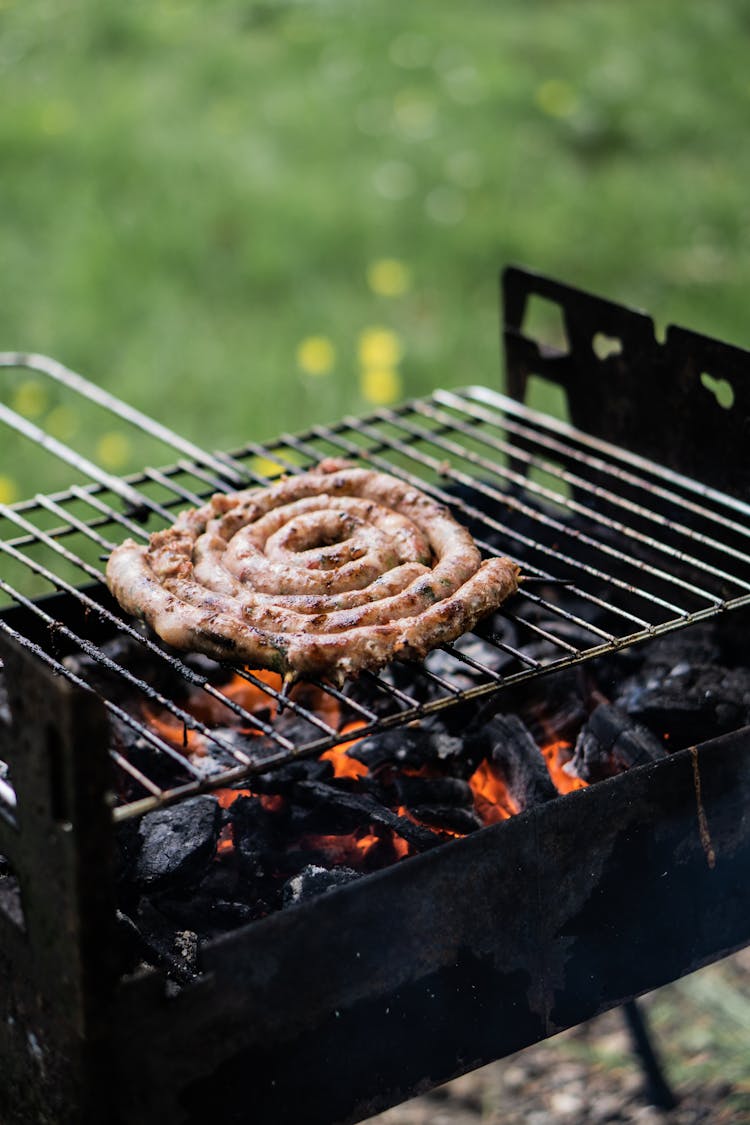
[(225, 843), (364, 843), (344, 766), (227, 797), (402, 810), (556, 755), (492, 799), (250, 697), (343, 851), (272, 802), (176, 733), (245, 694), (369, 845)]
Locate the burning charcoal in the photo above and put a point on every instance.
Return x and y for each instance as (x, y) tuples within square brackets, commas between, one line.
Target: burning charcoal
[(448, 817), (611, 742), (506, 742), (447, 791), (281, 781), (319, 817), (556, 712), (178, 842), (688, 703), (409, 747), (420, 838), (312, 881), (255, 832)]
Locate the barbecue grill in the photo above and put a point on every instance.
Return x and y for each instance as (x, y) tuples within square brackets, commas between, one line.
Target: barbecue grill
[(564, 911)]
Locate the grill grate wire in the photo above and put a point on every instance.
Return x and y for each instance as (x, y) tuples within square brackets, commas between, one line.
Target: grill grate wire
[(641, 549)]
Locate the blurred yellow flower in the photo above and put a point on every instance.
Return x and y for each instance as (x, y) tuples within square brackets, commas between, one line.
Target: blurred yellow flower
[(8, 490), (388, 277), (30, 399), (381, 385), (379, 348), (556, 98), (264, 467), (61, 422), (316, 355), (113, 450)]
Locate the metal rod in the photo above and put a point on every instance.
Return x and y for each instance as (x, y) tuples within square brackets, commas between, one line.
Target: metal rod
[(124, 626), (75, 382), (408, 431), (588, 460), (550, 521), (580, 483), (476, 513), (657, 1089), (76, 460), (617, 453)]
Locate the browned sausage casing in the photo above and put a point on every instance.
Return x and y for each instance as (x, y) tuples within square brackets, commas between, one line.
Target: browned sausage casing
[(328, 573)]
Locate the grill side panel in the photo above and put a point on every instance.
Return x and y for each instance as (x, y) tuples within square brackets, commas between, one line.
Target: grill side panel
[(381, 990), (648, 397), (58, 973)]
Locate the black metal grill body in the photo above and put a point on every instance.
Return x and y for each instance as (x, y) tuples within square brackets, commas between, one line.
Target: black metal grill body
[(391, 985)]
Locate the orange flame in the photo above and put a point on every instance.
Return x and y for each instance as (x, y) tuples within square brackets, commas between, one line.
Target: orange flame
[(402, 810), (365, 843), (175, 732), (343, 765), (227, 797), (225, 843), (556, 755), (347, 850), (492, 799), (247, 695)]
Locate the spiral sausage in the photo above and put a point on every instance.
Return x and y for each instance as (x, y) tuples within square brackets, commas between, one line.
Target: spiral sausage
[(328, 573)]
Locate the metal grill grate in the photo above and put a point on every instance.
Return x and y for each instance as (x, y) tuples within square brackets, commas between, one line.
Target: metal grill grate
[(641, 549)]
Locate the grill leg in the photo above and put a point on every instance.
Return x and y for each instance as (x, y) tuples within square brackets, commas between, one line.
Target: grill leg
[(656, 1085)]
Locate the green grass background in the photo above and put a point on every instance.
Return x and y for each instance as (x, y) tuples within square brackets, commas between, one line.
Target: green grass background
[(189, 190)]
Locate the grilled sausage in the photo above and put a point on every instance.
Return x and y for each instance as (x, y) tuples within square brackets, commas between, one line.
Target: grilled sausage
[(328, 573)]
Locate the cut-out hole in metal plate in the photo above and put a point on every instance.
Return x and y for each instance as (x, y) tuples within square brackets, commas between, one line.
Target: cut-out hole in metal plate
[(721, 389), (544, 321), (604, 346)]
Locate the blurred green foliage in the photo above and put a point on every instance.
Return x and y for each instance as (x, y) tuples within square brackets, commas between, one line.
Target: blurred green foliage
[(190, 191)]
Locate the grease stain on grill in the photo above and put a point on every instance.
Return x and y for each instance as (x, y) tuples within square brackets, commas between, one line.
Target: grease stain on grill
[(705, 835)]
